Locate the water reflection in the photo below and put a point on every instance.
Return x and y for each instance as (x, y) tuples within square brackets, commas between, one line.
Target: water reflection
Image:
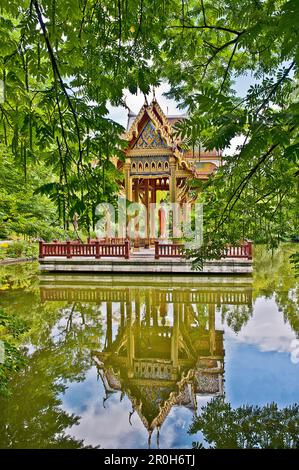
[(127, 362), (162, 348)]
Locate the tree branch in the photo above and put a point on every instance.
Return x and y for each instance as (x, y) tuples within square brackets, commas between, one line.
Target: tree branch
[(228, 66), (4, 113), (140, 23), (241, 186), (203, 13), (82, 20), (275, 86), (216, 52), (57, 75), (214, 27)]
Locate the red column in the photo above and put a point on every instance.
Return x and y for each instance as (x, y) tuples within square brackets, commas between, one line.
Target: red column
[(249, 250), (41, 254), (162, 221), (68, 249), (156, 250), (127, 249), (153, 220), (97, 249)]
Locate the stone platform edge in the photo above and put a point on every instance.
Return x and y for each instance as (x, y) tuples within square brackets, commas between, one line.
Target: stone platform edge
[(231, 266)]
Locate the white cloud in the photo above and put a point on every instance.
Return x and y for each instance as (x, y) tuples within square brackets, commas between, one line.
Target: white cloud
[(109, 427), (266, 329)]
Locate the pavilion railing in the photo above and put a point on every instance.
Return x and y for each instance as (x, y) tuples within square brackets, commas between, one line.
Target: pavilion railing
[(241, 251), (72, 249), (169, 250), (108, 240), (121, 249)]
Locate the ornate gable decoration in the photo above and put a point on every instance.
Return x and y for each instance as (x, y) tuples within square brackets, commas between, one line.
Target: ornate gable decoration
[(156, 133), (150, 138), (155, 115)]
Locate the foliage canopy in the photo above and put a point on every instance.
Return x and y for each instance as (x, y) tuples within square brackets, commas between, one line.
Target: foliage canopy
[(63, 62)]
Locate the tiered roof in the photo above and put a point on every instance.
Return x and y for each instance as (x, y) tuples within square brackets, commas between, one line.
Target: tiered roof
[(163, 126)]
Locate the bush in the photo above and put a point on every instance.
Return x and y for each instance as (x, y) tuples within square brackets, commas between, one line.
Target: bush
[(3, 248), (15, 250), (21, 249)]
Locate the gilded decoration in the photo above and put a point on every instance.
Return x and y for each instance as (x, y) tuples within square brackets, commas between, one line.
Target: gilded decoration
[(150, 164)]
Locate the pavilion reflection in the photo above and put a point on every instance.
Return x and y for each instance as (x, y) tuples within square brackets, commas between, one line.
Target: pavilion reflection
[(162, 348)]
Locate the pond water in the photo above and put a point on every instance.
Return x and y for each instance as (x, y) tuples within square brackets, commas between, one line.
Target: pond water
[(128, 361)]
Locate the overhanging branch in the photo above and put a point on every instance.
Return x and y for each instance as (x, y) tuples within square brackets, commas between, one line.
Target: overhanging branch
[(57, 75)]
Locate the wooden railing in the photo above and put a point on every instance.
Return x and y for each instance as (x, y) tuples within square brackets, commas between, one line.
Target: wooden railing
[(234, 296), (98, 249), (168, 250), (72, 249), (172, 251), (106, 241)]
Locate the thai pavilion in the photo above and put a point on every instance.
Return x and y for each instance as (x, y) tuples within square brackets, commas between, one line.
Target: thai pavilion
[(156, 160)]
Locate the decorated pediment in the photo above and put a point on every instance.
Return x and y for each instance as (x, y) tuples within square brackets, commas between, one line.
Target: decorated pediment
[(150, 137), (150, 128)]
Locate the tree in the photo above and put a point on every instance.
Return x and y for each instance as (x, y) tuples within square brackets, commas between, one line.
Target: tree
[(60, 64), (21, 211), (206, 47)]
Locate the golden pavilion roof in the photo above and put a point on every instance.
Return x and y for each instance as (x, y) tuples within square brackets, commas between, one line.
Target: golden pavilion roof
[(164, 127)]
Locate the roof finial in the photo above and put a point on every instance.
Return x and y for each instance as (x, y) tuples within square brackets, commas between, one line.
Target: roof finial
[(149, 438), (130, 112), (130, 415), (154, 94)]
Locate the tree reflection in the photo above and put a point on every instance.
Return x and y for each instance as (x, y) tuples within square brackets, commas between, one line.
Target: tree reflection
[(246, 427), (34, 418), (274, 276), (60, 339), (236, 316)]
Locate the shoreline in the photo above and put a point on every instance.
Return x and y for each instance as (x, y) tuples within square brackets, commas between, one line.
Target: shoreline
[(16, 260)]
